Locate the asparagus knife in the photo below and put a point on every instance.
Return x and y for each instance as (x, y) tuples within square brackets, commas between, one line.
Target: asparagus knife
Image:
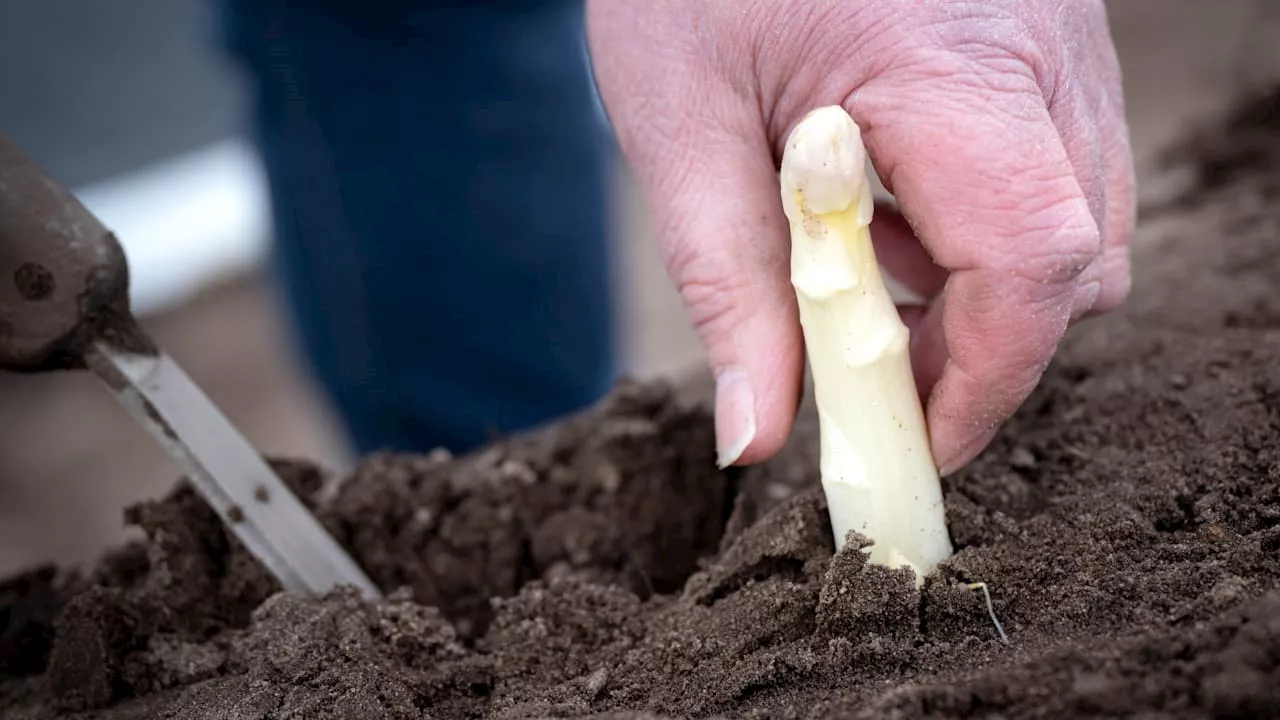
[(64, 305)]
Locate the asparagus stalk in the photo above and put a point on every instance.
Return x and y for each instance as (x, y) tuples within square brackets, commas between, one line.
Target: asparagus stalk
[(877, 469)]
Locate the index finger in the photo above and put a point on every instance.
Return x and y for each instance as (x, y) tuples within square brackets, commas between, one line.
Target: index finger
[(984, 178)]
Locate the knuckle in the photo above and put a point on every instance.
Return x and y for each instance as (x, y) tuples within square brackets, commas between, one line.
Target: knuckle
[(997, 39), (1051, 266), (1053, 239), (963, 77)]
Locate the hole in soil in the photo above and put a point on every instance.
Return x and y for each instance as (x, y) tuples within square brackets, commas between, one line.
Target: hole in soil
[(628, 493)]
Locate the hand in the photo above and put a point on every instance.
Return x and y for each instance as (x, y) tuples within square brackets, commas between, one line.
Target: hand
[(998, 126)]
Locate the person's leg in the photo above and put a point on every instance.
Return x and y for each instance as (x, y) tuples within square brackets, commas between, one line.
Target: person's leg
[(439, 187)]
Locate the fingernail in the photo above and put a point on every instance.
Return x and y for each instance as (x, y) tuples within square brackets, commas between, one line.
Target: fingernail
[(735, 415), (962, 456)]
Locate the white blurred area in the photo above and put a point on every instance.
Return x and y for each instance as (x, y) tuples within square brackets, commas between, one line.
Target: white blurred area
[(188, 222)]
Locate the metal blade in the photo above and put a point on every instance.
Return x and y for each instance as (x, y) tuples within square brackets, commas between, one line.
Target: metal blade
[(233, 478)]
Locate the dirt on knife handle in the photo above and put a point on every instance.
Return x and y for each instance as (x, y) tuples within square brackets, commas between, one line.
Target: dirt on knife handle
[(64, 282)]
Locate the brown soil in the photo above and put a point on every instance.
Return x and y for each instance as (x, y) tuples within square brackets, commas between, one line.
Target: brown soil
[(1127, 522)]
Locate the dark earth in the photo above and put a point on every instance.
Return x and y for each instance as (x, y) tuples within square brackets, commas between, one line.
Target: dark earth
[(1126, 521)]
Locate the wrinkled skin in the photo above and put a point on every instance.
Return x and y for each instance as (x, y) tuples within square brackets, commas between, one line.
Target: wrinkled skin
[(997, 125)]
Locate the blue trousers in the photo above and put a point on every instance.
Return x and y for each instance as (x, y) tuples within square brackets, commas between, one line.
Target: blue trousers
[(438, 178)]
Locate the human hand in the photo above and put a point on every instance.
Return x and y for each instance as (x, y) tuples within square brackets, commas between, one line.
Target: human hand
[(998, 126)]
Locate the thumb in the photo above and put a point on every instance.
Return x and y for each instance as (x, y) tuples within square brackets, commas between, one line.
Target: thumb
[(697, 145), (723, 238)]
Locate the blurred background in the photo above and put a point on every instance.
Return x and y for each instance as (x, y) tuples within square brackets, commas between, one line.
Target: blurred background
[(134, 106)]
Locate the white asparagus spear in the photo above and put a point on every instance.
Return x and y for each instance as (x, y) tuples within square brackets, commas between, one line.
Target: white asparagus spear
[(877, 470)]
